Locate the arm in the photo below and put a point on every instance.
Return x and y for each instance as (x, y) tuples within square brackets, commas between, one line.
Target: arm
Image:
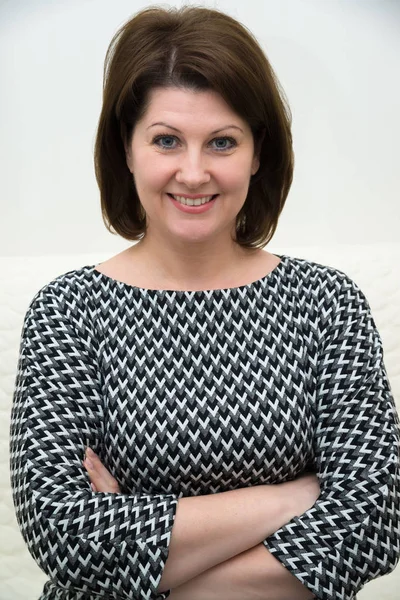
[(351, 534), (247, 575), (251, 575), (106, 544), (213, 528)]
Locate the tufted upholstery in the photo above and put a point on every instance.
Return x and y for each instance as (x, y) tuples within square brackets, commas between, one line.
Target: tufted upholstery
[(374, 268)]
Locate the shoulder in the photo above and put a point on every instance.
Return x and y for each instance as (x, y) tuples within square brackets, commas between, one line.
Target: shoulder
[(318, 278), (70, 283), (326, 292), (67, 294)]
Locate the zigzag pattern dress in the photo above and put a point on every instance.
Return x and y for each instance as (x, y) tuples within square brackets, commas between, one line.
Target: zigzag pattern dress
[(184, 393)]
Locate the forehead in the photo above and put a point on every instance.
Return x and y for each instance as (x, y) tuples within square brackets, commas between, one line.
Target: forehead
[(188, 106)]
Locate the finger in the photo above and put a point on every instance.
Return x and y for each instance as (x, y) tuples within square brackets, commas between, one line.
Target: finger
[(94, 463), (99, 474), (93, 487), (98, 477)]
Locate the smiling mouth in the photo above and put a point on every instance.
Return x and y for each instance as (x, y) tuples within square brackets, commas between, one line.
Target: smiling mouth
[(192, 201)]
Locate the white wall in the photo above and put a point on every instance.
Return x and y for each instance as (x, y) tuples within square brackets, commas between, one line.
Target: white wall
[(336, 59)]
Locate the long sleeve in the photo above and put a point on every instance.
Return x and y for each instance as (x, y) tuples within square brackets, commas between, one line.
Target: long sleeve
[(352, 533), (110, 545)]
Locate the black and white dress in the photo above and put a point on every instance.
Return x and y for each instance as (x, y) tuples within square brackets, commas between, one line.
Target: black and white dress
[(186, 393)]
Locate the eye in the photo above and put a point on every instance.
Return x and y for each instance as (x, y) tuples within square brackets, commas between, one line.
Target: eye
[(231, 140), (160, 140)]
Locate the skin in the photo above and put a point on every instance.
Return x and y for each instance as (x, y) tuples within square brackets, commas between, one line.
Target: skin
[(191, 249), (100, 478)]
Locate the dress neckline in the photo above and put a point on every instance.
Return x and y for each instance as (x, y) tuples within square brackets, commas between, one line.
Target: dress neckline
[(262, 281)]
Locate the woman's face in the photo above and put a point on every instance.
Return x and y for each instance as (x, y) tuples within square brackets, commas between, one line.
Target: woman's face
[(175, 149)]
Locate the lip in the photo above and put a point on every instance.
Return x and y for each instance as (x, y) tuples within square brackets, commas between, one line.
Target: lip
[(194, 210), (192, 196)]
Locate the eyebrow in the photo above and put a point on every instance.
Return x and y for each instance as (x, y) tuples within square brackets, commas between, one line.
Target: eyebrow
[(216, 131)]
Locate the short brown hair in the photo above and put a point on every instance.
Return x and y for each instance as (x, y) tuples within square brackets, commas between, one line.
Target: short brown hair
[(194, 48)]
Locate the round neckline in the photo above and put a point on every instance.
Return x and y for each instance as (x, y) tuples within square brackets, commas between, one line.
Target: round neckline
[(253, 284)]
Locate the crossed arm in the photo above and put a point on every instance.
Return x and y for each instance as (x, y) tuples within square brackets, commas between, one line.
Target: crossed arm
[(252, 575), (210, 562)]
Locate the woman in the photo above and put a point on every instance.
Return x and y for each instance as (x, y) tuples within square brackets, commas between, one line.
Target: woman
[(244, 432)]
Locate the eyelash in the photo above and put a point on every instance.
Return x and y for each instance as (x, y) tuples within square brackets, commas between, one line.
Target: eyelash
[(230, 139)]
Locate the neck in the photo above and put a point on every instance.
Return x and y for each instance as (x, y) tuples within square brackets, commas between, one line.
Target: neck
[(190, 266)]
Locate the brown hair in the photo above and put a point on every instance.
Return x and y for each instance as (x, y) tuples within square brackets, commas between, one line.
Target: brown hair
[(195, 48)]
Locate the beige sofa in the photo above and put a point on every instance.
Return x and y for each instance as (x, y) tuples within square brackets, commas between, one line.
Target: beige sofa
[(376, 269)]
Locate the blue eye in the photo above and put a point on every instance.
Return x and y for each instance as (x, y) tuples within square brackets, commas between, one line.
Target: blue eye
[(163, 137), (169, 146)]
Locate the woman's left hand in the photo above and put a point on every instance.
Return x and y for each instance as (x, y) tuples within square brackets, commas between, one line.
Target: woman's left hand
[(101, 479)]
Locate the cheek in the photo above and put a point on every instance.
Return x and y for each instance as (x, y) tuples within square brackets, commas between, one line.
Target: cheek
[(150, 175), (235, 170), (236, 177)]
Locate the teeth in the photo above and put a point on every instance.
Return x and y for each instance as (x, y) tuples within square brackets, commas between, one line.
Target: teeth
[(190, 202)]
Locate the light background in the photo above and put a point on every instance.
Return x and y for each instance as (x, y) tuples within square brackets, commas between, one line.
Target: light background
[(337, 60)]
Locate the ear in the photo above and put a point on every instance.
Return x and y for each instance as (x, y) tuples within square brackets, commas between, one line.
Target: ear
[(128, 156), (255, 165), (257, 150)]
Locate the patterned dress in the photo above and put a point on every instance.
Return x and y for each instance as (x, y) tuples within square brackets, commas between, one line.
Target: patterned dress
[(186, 393)]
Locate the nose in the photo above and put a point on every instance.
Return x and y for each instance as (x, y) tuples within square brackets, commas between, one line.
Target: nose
[(192, 171)]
